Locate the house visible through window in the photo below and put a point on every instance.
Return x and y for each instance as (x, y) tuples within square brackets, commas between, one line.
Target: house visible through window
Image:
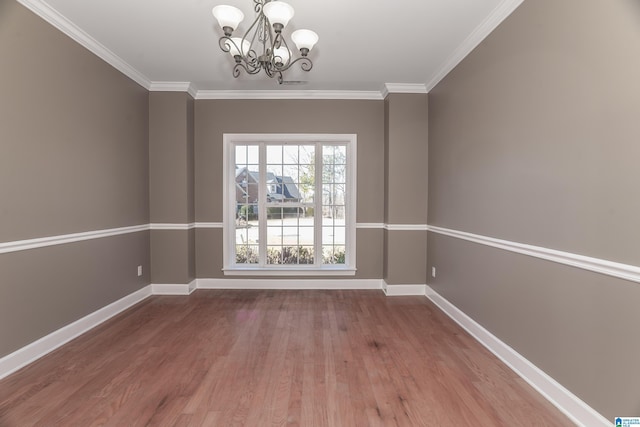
[(290, 204)]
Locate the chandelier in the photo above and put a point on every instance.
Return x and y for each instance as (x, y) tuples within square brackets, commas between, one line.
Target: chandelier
[(263, 47)]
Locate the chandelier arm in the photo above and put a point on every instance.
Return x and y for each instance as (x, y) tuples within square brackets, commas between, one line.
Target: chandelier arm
[(240, 65), (258, 5), (224, 44), (284, 65), (249, 67), (236, 69), (305, 64)]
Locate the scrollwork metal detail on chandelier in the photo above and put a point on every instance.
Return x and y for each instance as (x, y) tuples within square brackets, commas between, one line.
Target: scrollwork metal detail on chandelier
[(263, 47)]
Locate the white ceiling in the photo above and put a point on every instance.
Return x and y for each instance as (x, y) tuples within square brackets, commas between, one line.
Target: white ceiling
[(363, 44)]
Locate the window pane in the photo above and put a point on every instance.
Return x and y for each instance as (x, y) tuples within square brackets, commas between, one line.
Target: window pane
[(327, 236), (339, 235), (274, 154), (274, 235), (327, 173), (290, 255), (290, 156), (306, 183), (333, 254), (340, 155), (253, 154), (328, 154), (340, 173), (290, 235), (273, 171), (274, 254), (327, 194), (241, 154), (247, 254), (306, 195), (291, 171), (306, 227), (246, 233), (274, 216), (307, 154), (306, 255)]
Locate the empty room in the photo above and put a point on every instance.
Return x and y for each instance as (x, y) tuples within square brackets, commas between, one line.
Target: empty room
[(347, 213)]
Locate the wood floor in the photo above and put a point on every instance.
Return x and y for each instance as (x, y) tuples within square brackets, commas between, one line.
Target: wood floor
[(274, 358)]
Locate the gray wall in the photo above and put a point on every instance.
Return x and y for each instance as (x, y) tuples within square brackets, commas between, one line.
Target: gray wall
[(405, 159), (213, 118), (533, 138), (73, 158), (171, 186)]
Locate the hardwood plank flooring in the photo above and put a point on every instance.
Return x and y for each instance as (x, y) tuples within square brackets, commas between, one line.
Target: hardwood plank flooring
[(274, 358)]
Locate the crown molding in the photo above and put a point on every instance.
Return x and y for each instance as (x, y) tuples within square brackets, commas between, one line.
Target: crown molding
[(499, 14), (56, 19), (403, 88), (174, 87), (289, 94)]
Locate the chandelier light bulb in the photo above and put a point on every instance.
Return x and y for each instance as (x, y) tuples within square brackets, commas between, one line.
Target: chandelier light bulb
[(278, 13), (228, 17), (304, 40), (281, 55), (238, 43)]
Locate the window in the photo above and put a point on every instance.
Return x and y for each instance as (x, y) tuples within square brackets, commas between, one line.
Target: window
[(289, 204)]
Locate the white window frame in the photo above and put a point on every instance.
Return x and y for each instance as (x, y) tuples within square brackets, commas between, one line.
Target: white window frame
[(230, 140)]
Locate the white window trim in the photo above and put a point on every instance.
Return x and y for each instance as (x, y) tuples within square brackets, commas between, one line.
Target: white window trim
[(228, 220)]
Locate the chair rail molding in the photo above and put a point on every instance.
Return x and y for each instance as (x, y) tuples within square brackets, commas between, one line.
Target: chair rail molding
[(597, 265)]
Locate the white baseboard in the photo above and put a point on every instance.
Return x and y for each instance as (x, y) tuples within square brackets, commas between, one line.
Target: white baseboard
[(574, 408), (403, 290), (22, 357), (289, 284), (173, 289)]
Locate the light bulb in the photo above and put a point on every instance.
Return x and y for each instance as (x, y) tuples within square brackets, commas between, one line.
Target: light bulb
[(281, 55), (304, 40), (278, 13), (228, 16), (238, 43)]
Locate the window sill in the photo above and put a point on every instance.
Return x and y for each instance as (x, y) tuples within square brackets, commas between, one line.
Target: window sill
[(258, 271)]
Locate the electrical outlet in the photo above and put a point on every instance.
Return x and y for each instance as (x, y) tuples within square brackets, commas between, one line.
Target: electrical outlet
[(139, 270), (433, 272)]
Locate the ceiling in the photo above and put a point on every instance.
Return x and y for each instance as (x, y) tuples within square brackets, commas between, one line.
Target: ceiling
[(363, 44)]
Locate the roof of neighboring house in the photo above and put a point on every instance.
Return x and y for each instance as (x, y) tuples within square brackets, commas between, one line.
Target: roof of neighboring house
[(255, 174), (285, 186), (290, 188)]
